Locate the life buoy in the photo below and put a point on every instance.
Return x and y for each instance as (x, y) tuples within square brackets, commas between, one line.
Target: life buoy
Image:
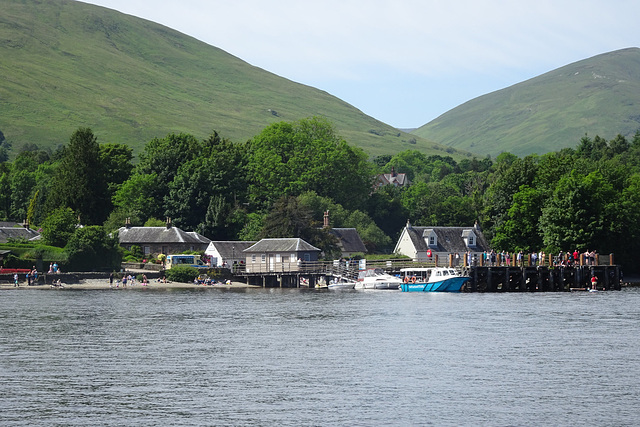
[(413, 279), (406, 279), (429, 253)]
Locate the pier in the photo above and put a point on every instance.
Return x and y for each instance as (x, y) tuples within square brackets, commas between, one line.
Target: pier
[(527, 277)]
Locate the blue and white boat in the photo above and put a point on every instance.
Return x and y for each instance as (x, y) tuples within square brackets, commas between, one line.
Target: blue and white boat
[(435, 279)]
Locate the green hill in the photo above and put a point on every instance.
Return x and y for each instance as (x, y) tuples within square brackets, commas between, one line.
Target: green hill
[(596, 96), (67, 64)]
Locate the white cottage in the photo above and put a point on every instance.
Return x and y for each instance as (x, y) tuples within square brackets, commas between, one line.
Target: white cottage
[(424, 243)]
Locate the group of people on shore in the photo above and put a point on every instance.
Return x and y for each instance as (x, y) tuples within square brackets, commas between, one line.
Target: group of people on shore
[(127, 280)]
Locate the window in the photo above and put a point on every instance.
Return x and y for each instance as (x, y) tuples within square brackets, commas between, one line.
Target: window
[(264, 258), (253, 258), (293, 258), (307, 257), (147, 250), (278, 258), (470, 240), (432, 240)]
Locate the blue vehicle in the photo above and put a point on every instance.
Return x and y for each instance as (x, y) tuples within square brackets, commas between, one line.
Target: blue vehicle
[(436, 279)]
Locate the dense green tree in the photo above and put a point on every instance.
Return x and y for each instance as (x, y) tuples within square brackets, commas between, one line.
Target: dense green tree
[(162, 158), (116, 163), (92, 249), (287, 159), (80, 181), (520, 230), (206, 192), (135, 198), (58, 227), (580, 213)]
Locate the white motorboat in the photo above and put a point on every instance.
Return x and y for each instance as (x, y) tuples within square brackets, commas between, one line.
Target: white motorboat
[(342, 283), (376, 278)]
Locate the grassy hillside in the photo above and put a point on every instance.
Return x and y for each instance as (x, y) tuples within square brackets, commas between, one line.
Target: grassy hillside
[(596, 96), (67, 64)]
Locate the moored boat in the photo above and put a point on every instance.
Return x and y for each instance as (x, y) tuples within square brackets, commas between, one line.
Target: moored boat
[(342, 283), (436, 279), (376, 278)]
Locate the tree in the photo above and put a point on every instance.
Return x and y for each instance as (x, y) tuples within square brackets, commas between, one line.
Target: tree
[(58, 227), (287, 159), (116, 162), (580, 213), (520, 230), (92, 249), (80, 180), (206, 191)]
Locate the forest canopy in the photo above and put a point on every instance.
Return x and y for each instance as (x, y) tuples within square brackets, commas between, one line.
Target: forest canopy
[(279, 184)]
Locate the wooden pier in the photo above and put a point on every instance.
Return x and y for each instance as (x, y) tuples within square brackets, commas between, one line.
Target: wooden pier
[(541, 278)]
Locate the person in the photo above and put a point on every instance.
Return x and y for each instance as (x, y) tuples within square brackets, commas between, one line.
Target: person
[(576, 256), (55, 267), (144, 279), (15, 280), (110, 279), (594, 282), (50, 268)]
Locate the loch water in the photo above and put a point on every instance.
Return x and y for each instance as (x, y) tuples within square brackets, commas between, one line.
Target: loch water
[(293, 357)]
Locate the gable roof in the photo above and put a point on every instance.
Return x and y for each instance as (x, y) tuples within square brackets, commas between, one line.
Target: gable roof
[(348, 239), (231, 249), (138, 235), (282, 245), (13, 232), (449, 239)]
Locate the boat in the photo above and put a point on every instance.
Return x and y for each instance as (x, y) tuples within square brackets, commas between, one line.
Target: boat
[(342, 283), (435, 279), (376, 278)]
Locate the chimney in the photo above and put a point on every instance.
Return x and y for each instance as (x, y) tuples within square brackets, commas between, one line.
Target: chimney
[(25, 223), (393, 171), (127, 223), (326, 220), (168, 222), (408, 224)]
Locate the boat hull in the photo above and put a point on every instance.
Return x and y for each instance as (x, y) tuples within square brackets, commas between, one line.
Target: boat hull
[(453, 284)]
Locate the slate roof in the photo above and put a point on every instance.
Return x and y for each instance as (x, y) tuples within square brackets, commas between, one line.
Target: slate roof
[(450, 239), (138, 235), (349, 239), (281, 245), (227, 249), (12, 232)]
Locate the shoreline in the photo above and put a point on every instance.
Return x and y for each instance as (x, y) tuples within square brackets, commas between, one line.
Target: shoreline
[(100, 284)]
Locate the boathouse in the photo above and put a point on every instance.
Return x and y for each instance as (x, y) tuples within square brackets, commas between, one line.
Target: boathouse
[(284, 254), (424, 244)]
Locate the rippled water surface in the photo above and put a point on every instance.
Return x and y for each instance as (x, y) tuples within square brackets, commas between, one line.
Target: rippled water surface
[(305, 357)]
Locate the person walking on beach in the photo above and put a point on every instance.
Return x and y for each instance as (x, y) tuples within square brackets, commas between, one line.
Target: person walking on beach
[(110, 279)]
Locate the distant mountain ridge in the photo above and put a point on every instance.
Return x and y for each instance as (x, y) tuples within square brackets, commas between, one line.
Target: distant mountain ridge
[(595, 96), (67, 64)]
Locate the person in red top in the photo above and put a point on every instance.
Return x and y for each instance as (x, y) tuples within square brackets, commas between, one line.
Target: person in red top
[(576, 256), (594, 282)]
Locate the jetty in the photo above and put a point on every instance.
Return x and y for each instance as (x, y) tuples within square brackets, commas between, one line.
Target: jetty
[(548, 275)]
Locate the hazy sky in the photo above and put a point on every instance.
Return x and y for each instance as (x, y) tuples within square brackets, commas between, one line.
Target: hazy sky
[(404, 62)]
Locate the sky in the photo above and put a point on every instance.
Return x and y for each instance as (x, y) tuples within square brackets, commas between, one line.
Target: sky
[(403, 62)]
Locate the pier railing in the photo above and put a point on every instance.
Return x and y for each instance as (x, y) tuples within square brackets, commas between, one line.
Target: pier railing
[(351, 268)]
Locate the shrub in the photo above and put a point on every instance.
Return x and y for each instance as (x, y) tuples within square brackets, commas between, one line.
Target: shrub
[(182, 273)]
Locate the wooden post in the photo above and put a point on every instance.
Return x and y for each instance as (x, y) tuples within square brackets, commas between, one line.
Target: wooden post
[(611, 262), (436, 259), (450, 260)]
